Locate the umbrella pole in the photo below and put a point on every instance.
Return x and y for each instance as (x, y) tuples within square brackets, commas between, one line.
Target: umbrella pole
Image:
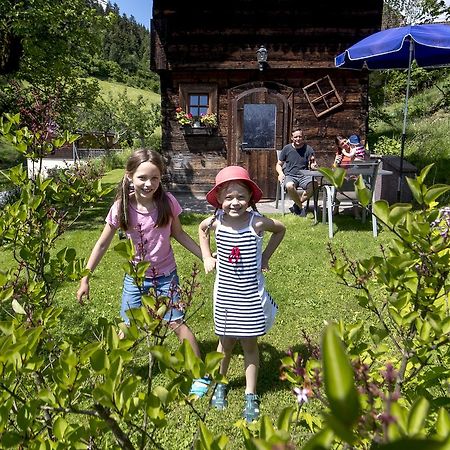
[(405, 115)]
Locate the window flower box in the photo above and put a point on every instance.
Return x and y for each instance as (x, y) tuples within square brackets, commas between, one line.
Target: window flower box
[(189, 130), (203, 125)]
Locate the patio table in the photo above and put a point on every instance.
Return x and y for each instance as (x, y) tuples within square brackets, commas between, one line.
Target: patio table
[(370, 172)]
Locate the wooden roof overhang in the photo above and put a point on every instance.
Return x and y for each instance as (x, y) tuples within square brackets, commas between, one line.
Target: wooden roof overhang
[(296, 34)]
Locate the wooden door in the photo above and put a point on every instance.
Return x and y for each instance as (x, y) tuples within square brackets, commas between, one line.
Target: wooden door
[(260, 117)]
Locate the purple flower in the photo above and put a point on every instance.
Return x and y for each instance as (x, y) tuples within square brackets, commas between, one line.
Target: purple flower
[(302, 395)]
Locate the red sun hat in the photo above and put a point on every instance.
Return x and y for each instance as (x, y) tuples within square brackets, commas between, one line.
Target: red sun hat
[(233, 173)]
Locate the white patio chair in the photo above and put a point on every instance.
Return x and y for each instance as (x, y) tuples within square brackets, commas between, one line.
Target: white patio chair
[(346, 194)]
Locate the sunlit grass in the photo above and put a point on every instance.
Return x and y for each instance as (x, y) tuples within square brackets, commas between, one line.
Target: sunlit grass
[(116, 89), (299, 279)]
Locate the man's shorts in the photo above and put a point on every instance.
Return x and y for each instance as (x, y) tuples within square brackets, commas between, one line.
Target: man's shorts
[(165, 286), (299, 181)]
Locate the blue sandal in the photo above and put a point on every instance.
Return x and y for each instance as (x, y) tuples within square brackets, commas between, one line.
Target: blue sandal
[(219, 398), (200, 386), (251, 409)]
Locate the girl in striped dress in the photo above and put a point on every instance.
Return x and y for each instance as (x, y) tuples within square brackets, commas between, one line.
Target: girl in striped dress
[(243, 309)]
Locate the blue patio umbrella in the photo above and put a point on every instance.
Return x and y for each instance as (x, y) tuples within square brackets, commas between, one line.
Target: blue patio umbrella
[(397, 48)]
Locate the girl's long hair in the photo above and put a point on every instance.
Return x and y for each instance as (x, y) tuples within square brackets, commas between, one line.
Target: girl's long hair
[(124, 188)]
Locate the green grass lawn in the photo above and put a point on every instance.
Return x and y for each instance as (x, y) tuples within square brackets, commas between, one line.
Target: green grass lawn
[(299, 279), (115, 89)]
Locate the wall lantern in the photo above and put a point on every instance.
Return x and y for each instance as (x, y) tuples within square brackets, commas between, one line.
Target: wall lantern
[(261, 57)]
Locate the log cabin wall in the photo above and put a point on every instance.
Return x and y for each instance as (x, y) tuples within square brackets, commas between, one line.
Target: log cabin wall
[(196, 46)]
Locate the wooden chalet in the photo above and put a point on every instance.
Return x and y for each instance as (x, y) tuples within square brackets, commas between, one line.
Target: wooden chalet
[(210, 59)]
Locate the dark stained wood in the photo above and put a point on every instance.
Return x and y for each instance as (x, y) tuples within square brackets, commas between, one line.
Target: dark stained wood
[(193, 44)]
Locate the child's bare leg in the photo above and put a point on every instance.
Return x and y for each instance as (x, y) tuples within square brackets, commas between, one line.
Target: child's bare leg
[(251, 362), (225, 346), (184, 332)]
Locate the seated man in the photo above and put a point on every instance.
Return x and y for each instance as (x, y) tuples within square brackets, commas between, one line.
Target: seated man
[(293, 158)]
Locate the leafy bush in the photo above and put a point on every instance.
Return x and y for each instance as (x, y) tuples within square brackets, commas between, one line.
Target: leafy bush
[(50, 378), (155, 142), (387, 146), (115, 159), (383, 385), (129, 119), (105, 69)]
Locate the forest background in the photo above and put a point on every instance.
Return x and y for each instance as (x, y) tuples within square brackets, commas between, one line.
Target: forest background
[(85, 67)]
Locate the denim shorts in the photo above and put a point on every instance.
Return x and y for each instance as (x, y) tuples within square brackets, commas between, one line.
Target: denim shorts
[(166, 285)]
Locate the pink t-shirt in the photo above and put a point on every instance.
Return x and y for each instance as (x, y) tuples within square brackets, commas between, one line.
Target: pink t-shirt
[(151, 243)]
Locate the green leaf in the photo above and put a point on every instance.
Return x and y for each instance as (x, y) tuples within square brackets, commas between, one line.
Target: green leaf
[(412, 444), (10, 439), (112, 337), (321, 441), (59, 428), (443, 423), (284, 419), (446, 325), (266, 428), (6, 294), (423, 173), (364, 194), (3, 278), (396, 317), (425, 331), (355, 330), (6, 327), (220, 442), (89, 350), (336, 176), (377, 334), (212, 360), (341, 429), (163, 394), (398, 428), (100, 361), (17, 307), (434, 192), (141, 268), (47, 396), (154, 409), (326, 172), (126, 249), (68, 358), (191, 361), (415, 188), (381, 210), (398, 212), (104, 394), (206, 437), (339, 378), (417, 416)]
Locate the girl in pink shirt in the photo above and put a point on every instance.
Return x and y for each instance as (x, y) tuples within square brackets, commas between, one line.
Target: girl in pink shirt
[(149, 217)]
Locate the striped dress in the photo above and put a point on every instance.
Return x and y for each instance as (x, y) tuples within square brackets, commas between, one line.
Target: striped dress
[(242, 306)]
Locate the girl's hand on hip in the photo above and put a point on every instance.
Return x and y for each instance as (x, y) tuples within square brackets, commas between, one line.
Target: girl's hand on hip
[(209, 263)]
